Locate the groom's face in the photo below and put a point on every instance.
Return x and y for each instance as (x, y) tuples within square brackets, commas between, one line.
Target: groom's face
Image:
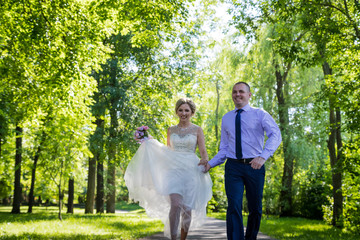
[(241, 95)]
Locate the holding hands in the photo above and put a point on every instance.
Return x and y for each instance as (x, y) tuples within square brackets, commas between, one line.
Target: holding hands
[(256, 163), (205, 164)]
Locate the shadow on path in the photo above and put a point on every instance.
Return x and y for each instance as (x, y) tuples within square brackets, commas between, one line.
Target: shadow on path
[(213, 229)]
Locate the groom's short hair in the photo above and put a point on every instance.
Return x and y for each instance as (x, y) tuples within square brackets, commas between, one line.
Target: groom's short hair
[(248, 86)]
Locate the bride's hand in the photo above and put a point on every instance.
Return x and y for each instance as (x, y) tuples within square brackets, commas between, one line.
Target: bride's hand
[(203, 162)]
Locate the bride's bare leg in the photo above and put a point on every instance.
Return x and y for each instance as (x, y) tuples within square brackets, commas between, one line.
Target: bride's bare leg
[(183, 234), (185, 222), (174, 214)]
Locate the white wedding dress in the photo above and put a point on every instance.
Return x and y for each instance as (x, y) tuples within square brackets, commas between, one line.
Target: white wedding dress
[(156, 171)]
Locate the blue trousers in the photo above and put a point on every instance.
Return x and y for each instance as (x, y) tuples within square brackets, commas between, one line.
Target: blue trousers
[(239, 176)]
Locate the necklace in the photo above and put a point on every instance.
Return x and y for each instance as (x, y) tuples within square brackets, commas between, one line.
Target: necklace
[(183, 128)]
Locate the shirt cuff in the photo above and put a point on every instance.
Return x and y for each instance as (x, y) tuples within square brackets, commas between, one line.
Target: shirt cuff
[(265, 155), (212, 163)]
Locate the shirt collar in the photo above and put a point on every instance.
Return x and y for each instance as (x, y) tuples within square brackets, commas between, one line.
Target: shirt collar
[(245, 108)]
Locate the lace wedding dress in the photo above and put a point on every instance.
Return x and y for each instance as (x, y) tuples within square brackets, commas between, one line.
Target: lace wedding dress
[(156, 171)]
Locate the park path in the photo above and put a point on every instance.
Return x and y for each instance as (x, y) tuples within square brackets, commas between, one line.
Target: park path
[(213, 229)]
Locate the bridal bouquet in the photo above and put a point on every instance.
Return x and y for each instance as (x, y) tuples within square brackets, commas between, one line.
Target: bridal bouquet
[(141, 134)]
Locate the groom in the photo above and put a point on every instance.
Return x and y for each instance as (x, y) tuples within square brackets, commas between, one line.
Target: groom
[(242, 144)]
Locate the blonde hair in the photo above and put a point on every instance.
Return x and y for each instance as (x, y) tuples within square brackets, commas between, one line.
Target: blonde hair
[(188, 101)]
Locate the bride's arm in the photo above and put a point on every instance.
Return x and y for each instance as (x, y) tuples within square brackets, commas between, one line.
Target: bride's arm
[(168, 138), (201, 145)]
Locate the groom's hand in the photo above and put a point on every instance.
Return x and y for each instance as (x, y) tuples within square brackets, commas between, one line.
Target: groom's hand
[(257, 162), (207, 167), (205, 164)]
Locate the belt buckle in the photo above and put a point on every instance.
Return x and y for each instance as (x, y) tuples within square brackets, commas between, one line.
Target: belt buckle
[(245, 160)]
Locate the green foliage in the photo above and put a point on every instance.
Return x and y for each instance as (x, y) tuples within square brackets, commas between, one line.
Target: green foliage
[(313, 191), (51, 55), (307, 33), (64, 64), (352, 203), (5, 188), (272, 185), (352, 183)]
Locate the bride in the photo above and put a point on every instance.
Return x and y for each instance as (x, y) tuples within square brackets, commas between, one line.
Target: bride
[(167, 181)]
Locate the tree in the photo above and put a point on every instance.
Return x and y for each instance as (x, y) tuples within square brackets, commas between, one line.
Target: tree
[(17, 187), (39, 38), (71, 196), (33, 170)]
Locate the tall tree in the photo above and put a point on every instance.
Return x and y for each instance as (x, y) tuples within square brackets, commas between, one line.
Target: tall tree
[(283, 56), (112, 142), (70, 206), (318, 20), (18, 159), (36, 157), (282, 93), (95, 173), (325, 23), (45, 47), (100, 195), (90, 193), (335, 149), (138, 30)]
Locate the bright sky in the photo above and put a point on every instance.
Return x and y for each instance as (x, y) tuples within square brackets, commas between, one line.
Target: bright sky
[(218, 30)]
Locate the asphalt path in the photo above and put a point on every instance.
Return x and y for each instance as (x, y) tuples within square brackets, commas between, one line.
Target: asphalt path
[(212, 229)]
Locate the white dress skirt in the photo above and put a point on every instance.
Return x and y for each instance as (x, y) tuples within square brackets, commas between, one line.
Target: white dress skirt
[(156, 171)]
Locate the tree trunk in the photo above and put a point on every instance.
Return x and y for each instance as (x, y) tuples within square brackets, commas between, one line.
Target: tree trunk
[(61, 196), (90, 194), (17, 181), (60, 201), (100, 197), (338, 173), (336, 170), (97, 149), (287, 177), (217, 110), (33, 172), (97, 142), (33, 175), (70, 207), (110, 200), (100, 188)]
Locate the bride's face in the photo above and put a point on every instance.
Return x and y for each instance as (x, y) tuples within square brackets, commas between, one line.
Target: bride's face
[(184, 113)]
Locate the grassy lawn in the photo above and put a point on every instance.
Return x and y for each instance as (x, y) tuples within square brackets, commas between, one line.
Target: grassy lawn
[(297, 228), (44, 224)]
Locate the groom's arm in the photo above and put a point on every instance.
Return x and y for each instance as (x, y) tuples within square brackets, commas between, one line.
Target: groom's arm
[(220, 157), (274, 136), (272, 143)]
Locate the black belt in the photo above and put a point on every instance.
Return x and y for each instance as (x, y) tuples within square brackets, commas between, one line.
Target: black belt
[(242, 160)]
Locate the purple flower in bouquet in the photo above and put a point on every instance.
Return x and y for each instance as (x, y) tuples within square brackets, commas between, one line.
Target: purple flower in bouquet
[(141, 134)]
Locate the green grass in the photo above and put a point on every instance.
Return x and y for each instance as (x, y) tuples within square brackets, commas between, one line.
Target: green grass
[(127, 206), (297, 228), (44, 224)]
